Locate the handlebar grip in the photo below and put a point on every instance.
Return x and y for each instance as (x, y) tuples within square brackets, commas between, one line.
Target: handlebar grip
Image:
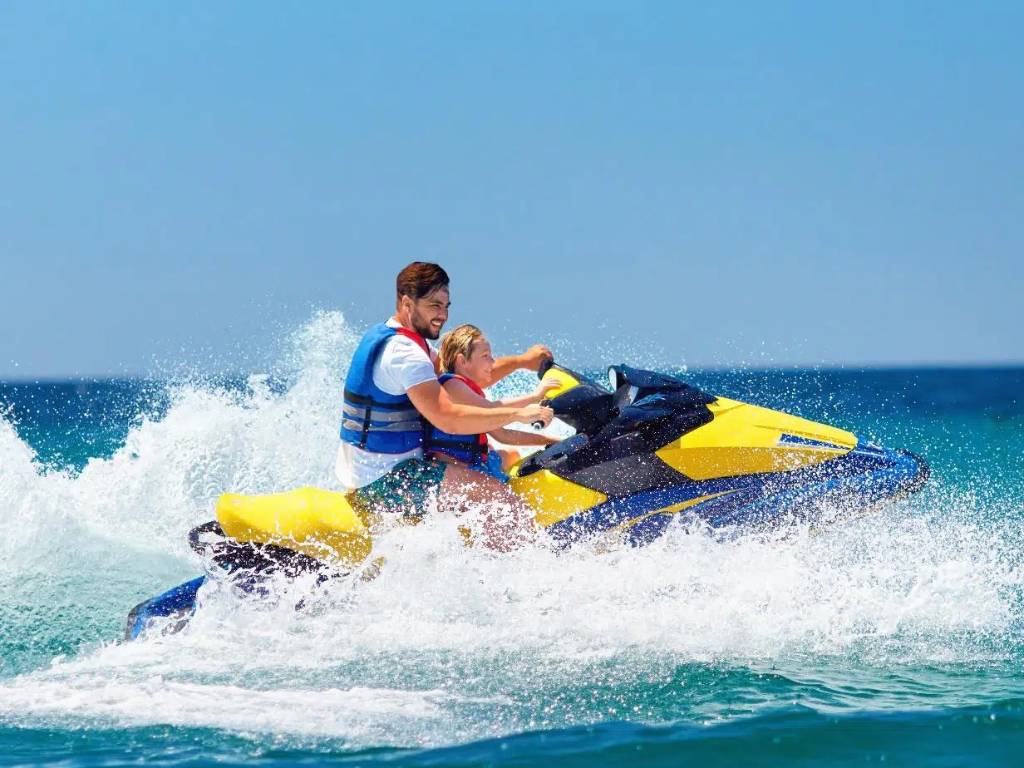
[(545, 366), (544, 402)]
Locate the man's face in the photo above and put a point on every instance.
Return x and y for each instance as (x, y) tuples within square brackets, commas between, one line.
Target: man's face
[(430, 313)]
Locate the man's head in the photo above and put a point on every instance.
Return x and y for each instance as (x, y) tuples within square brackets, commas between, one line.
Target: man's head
[(422, 298)]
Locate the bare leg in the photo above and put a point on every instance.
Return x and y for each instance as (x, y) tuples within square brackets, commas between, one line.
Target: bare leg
[(507, 522), (509, 456)]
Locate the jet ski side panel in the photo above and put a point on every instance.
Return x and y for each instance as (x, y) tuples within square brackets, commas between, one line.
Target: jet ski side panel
[(820, 495), (746, 439), (554, 498)]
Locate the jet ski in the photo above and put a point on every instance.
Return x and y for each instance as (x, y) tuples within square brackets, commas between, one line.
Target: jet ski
[(648, 449)]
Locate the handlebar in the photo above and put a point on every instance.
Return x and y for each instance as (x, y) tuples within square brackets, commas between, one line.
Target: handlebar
[(545, 366), (545, 402)]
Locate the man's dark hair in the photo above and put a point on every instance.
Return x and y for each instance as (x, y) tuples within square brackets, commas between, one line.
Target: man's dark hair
[(420, 279)]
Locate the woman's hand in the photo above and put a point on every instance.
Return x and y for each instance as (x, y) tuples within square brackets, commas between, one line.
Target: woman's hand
[(547, 385), (534, 414)]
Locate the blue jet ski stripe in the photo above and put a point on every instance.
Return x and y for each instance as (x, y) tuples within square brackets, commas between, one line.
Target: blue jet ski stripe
[(870, 476), (795, 440)]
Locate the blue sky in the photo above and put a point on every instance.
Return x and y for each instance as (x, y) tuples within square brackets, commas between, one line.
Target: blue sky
[(786, 183)]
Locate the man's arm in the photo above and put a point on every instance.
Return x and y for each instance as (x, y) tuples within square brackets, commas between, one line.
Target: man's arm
[(439, 409), (517, 437), (530, 359)]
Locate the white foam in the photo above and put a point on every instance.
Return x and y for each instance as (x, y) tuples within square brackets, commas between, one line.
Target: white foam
[(361, 715)]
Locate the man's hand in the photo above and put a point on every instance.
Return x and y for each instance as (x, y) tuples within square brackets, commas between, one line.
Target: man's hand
[(533, 414), (531, 360), (534, 356)]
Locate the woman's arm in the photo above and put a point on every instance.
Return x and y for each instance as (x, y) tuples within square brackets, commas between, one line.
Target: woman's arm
[(534, 397), (459, 418), (518, 402), (515, 437), (460, 393)]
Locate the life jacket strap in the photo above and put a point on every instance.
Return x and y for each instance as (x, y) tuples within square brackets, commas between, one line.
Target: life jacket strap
[(468, 382), (479, 449), (411, 334), (366, 425), (472, 449)]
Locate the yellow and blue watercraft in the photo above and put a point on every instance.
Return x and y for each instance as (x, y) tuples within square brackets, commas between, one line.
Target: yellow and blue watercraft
[(652, 447), (647, 449)]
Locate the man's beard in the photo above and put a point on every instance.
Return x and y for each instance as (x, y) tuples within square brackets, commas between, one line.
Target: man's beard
[(424, 329)]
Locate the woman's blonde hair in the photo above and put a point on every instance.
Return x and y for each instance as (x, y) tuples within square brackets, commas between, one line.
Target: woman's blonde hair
[(455, 343)]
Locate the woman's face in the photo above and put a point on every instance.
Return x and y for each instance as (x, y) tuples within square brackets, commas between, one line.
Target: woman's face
[(480, 363)]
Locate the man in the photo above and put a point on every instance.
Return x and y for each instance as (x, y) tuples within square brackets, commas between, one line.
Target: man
[(392, 385)]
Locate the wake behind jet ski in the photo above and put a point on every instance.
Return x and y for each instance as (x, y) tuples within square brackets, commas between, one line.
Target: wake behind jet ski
[(646, 450)]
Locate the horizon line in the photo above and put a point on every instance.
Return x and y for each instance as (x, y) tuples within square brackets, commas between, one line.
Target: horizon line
[(714, 368)]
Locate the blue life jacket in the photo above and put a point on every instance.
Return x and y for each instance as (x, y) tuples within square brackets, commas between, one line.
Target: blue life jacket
[(470, 449), (371, 418)]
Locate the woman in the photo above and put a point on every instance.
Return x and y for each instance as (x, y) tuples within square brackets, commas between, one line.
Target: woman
[(465, 361)]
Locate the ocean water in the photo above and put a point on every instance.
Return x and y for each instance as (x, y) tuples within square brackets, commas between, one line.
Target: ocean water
[(895, 638)]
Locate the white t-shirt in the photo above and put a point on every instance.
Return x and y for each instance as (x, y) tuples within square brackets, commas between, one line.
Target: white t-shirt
[(401, 365)]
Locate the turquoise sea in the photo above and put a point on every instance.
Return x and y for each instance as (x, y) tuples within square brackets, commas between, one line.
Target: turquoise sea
[(895, 639)]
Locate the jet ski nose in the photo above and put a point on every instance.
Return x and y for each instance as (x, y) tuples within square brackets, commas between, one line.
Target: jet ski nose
[(863, 480), (871, 476), (924, 471), (894, 473)]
